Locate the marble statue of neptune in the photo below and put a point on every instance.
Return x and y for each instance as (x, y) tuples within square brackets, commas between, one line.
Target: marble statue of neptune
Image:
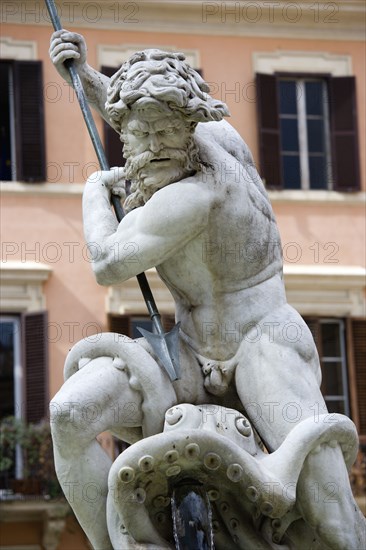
[(199, 213)]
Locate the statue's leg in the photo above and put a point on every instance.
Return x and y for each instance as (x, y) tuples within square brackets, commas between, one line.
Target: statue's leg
[(326, 502), (94, 399), (277, 381)]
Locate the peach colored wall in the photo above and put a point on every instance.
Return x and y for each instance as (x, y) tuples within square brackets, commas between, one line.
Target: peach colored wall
[(326, 235), (49, 230), (69, 142)]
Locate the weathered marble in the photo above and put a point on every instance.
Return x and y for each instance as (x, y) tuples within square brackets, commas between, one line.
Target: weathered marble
[(198, 211), (252, 493)]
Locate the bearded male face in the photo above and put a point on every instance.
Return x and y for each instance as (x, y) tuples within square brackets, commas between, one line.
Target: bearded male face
[(159, 149)]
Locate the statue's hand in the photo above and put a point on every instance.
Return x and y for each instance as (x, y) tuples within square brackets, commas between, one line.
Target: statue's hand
[(68, 45), (113, 180)]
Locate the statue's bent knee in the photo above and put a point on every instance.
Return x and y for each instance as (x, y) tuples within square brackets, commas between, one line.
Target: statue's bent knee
[(67, 420), (141, 374)]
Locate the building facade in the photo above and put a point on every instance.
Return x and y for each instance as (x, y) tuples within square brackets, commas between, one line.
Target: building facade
[(292, 75)]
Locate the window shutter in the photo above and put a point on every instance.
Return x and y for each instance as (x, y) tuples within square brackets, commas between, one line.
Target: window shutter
[(357, 362), (314, 327), (269, 130), (29, 121), (119, 324), (35, 359), (343, 118), (112, 144), (168, 322)]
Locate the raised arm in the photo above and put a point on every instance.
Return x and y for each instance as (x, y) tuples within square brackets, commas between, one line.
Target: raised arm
[(71, 45), (147, 236)]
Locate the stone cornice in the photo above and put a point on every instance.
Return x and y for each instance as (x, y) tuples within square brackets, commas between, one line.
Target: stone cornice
[(52, 514), (21, 287), (44, 189), (32, 510), (326, 198), (24, 272), (326, 291), (264, 18)]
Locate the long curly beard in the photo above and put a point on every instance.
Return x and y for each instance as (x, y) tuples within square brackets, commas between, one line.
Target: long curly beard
[(146, 178)]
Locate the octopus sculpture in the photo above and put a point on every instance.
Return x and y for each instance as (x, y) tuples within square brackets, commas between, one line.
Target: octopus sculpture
[(251, 494)]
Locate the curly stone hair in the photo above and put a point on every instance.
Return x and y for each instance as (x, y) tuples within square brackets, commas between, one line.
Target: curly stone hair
[(169, 81)]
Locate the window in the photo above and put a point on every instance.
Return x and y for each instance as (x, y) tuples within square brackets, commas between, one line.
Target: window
[(23, 372), (128, 324), (330, 340), (11, 375), (334, 367), (23, 366), (23, 376), (341, 345), (112, 143), (308, 132), (22, 121), (304, 133)]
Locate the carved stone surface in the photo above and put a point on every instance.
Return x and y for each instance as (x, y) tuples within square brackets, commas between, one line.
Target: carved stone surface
[(252, 493), (199, 213)]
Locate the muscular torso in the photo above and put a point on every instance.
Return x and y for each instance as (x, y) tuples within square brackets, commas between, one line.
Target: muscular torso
[(223, 284), (212, 238), (230, 275)]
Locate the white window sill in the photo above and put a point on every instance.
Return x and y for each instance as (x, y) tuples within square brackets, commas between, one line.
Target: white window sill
[(292, 196), (318, 197), (57, 189)]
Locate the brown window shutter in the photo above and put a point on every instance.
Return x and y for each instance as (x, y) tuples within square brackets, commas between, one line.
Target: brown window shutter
[(29, 121), (168, 322), (119, 324), (357, 361), (35, 360), (269, 130), (344, 139), (112, 143), (315, 330)]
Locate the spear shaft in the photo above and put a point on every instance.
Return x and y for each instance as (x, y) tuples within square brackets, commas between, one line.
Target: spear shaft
[(165, 345)]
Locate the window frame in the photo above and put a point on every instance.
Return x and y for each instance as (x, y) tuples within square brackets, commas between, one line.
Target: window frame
[(302, 118), (343, 129), (18, 374), (18, 381), (342, 359)]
